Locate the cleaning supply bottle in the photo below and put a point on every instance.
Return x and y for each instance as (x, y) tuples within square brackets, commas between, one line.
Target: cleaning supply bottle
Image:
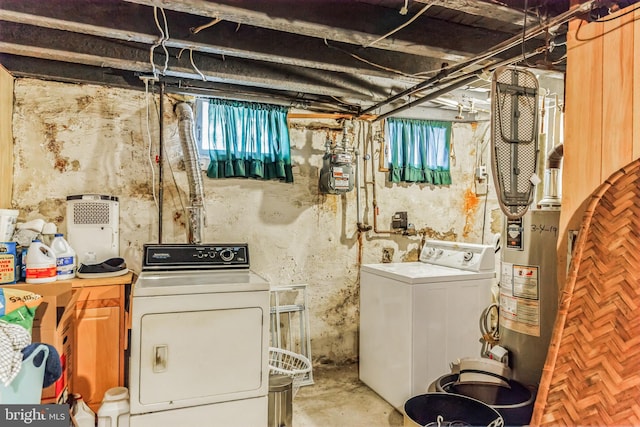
[(82, 415), (65, 257), (40, 263), (114, 411)]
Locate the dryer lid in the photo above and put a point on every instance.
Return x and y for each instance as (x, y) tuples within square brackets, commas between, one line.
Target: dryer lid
[(197, 282)]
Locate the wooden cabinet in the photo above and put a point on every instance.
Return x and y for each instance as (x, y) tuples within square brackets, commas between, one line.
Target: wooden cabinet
[(100, 339)]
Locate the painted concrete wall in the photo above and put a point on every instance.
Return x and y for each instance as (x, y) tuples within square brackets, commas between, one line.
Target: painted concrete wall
[(76, 139)]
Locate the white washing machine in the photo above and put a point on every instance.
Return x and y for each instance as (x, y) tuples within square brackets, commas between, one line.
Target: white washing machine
[(199, 338), (418, 317)]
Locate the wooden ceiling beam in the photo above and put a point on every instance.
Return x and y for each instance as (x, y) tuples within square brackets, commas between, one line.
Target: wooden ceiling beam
[(135, 24), (62, 46), (484, 9), (353, 22)]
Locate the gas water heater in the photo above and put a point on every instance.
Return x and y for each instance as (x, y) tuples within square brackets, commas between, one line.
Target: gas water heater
[(529, 291), (528, 283)]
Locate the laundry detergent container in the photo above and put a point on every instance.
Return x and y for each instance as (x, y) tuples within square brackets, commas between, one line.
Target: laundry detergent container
[(514, 402), (448, 409)]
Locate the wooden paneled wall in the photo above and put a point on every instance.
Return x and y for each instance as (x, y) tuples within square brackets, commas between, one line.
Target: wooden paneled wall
[(6, 138), (602, 113)]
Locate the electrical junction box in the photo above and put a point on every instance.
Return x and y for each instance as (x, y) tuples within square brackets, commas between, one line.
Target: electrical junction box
[(337, 175), (93, 222), (399, 221)]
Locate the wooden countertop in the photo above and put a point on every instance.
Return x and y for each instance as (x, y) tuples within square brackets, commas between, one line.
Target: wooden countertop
[(76, 282), (125, 279)]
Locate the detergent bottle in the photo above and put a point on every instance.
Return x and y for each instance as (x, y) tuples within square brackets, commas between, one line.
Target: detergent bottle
[(40, 263), (65, 257)]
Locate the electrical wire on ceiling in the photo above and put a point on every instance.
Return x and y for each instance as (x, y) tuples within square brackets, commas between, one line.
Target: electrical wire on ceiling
[(196, 30), (448, 73), (193, 64), (164, 36), (600, 20), (611, 8), (373, 64), (395, 30), (524, 32)]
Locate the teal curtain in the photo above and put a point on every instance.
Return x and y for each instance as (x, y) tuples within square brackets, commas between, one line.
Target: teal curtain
[(419, 151), (248, 140)]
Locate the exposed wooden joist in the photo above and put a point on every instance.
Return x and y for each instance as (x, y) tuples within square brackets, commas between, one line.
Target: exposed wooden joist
[(481, 8), (348, 22), (22, 66), (135, 24), (70, 47)]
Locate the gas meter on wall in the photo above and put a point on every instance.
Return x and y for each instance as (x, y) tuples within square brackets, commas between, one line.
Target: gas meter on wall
[(337, 176), (337, 173)]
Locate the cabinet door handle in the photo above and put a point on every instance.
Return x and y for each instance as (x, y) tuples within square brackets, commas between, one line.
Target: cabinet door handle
[(161, 358)]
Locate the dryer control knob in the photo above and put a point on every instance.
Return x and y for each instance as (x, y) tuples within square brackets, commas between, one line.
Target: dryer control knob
[(468, 256), (226, 255)]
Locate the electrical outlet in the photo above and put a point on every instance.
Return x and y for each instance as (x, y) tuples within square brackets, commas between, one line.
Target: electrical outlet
[(481, 188), (387, 255)]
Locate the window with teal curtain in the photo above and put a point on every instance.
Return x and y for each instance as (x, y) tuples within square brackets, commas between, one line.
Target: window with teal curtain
[(418, 151), (247, 140)]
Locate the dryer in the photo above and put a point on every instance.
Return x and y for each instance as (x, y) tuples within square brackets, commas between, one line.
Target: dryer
[(199, 338), (418, 317)]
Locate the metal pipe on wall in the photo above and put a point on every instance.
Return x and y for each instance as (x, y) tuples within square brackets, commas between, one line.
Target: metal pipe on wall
[(160, 161), (374, 193), (432, 95)]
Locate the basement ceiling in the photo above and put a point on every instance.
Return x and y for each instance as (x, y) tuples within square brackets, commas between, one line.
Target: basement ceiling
[(377, 57)]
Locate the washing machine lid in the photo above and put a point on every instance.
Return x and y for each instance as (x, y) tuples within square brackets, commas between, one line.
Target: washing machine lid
[(159, 283), (420, 272)]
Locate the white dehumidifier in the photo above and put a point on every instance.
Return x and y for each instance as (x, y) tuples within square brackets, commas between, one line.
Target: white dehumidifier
[(92, 227)]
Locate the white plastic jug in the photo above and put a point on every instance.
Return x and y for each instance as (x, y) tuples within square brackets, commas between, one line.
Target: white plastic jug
[(41, 263), (114, 411), (83, 416), (65, 257)]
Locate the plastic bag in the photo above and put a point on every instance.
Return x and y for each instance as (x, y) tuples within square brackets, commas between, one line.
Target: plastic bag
[(18, 306)]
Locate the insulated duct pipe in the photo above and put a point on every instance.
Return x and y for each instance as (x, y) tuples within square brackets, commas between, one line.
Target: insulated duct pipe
[(194, 175), (551, 199)]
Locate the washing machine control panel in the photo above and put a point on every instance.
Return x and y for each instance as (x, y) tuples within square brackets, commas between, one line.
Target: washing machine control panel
[(191, 256), (465, 256)]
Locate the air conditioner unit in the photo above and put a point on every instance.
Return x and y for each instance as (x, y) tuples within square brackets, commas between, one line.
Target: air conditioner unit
[(93, 227)]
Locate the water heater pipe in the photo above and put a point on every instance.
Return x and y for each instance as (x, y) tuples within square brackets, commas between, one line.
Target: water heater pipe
[(374, 194), (194, 175), (551, 198)]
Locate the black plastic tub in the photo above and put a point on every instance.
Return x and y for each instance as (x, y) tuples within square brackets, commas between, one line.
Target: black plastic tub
[(454, 409), (514, 403)]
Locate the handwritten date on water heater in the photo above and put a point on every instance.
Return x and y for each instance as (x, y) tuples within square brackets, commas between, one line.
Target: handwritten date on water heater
[(544, 228)]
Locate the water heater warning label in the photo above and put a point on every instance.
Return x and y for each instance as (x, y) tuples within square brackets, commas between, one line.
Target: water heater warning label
[(519, 298), (525, 282)]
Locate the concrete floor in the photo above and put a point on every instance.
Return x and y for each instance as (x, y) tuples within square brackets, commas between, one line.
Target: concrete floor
[(338, 398)]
